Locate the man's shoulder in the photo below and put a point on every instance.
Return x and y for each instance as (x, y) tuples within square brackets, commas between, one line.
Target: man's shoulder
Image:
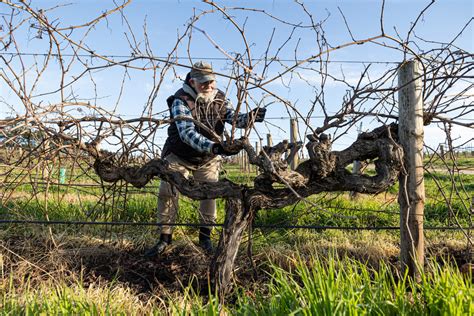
[(180, 94), (221, 95)]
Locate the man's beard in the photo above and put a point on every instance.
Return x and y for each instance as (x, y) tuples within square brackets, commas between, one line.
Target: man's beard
[(205, 98)]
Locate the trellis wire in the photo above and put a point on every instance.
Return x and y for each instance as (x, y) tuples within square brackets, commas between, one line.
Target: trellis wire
[(261, 226)]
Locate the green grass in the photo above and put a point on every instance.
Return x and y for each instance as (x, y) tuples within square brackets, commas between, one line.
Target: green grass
[(67, 299), (346, 287), (462, 161), (310, 286), (362, 283), (445, 200)]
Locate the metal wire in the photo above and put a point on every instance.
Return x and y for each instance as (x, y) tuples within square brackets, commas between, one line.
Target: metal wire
[(262, 226), (196, 58)]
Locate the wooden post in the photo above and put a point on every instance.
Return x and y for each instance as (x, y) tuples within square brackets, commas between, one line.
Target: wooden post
[(411, 195), (356, 166), (246, 162), (257, 150), (441, 149), (294, 139), (243, 156), (269, 140)]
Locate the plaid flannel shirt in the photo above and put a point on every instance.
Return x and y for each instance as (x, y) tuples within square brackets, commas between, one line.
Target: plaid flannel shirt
[(187, 130)]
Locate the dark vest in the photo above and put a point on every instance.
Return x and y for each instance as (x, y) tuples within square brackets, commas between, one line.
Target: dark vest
[(212, 116)]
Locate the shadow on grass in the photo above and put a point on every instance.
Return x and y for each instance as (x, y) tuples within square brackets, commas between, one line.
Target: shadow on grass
[(106, 263)]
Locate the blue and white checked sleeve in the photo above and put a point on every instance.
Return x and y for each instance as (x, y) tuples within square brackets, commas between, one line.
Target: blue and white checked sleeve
[(242, 119), (187, 129)]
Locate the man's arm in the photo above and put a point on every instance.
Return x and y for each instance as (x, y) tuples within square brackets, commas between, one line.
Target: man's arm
[(187, 130), (242, 120)]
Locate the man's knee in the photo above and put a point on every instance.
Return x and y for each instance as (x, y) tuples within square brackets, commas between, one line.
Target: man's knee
[(167, 191)]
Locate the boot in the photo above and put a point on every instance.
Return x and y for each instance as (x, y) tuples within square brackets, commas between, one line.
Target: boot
[(159, 247), (205, 239)]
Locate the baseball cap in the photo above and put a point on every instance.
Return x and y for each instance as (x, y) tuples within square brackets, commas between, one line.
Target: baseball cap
[(202, 72)]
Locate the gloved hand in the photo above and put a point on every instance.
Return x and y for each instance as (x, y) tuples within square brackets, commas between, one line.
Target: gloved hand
[(258, 114), (226, 149)]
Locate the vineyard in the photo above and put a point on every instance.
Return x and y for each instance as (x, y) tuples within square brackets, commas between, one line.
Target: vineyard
[(78, 243), (357, 204)]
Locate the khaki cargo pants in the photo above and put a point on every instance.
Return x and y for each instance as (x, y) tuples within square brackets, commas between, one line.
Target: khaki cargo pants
[(168, 195)]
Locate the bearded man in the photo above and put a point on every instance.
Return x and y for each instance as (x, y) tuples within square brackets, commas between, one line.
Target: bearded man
[(191, 149)]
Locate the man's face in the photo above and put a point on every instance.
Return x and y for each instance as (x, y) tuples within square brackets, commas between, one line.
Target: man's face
[(203, 88)]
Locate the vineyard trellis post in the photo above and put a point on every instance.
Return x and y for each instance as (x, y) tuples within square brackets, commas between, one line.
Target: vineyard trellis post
[(441, 150), (412, 191), (269, 140), (293, 140), (257, 150), (356, 165)]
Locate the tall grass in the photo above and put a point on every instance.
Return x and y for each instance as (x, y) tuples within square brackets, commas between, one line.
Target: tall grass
[(348, 287), (61, 298), (57, 298), (313, 286), (70, 203)]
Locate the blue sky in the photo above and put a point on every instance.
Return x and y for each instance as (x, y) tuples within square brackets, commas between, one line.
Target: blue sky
[(166, 19)]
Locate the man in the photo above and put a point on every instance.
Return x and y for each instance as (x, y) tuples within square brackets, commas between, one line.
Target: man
[(191, 149)]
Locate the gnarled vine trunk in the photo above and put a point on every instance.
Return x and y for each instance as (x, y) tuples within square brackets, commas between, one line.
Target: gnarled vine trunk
[(237, 219), (325, 171)]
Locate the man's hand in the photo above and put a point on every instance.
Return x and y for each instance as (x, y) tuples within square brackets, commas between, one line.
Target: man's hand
[(258, 114), (226, 149)]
